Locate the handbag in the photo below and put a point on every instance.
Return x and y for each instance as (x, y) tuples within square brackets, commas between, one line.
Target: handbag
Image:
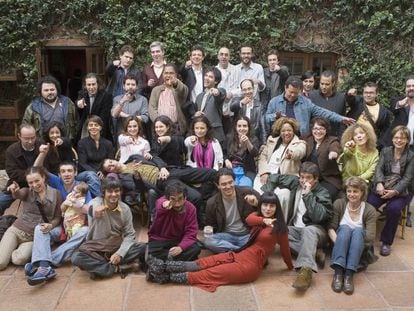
[(391, 180)]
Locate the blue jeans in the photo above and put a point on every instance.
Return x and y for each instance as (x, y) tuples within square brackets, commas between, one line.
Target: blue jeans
[(241, 178), (42, 241), (93, 181), (6, 200), (222, 242), (348, 247)]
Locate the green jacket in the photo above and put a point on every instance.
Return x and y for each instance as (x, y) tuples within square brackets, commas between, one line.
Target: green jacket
[(318, 202), (33, 115)]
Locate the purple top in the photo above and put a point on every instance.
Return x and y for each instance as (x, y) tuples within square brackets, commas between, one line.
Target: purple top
[(172, 225)]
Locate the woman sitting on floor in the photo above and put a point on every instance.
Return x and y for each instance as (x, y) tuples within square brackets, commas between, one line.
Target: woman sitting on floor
[(352, 230)]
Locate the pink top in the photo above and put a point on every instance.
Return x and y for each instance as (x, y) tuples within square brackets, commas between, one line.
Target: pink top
[(128, 148), (167, 106)]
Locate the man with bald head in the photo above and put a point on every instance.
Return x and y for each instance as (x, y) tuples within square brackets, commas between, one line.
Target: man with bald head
[(19, 156)]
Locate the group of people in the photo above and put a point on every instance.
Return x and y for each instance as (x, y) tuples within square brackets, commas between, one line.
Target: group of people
[(254, 156)]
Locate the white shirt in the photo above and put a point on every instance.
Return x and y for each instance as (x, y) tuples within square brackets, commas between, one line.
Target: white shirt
[(410, 123), (255, 72), (198, 87)]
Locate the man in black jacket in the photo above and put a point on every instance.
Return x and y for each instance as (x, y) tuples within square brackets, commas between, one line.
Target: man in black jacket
[(402, 107), (19, 156), (94, 100), (226, 212), (366, 110)]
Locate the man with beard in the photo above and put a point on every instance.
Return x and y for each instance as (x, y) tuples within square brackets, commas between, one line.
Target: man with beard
[(51, 107), (173, 235), (93, 100), (110, 245), (403, 109), (131, 104), (366, 110), (253, 71), (329, 98), (169, 99)]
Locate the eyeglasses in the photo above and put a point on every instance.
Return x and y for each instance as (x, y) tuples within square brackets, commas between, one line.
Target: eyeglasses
[(319, 129)]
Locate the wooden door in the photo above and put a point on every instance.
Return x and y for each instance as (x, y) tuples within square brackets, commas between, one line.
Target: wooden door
[(42, 62), (95, 61)]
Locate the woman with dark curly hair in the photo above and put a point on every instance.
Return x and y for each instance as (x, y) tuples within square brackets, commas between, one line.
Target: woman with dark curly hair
[(242, 266), (60, 147), (282, 153)]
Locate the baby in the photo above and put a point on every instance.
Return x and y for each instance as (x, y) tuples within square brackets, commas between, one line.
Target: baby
[(73, 218)]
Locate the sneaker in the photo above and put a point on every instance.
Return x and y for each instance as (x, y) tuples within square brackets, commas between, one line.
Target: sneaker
[(304, 279), (29, 269), (385, 250), (42, 275)]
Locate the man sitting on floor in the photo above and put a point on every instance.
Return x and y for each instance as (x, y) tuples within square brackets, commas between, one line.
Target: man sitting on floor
[(173, 235)]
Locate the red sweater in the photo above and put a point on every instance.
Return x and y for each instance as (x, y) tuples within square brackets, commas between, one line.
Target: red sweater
[(172, 225)]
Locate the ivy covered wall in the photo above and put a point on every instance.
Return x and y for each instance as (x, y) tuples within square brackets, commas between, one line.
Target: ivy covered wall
[(373, 37)]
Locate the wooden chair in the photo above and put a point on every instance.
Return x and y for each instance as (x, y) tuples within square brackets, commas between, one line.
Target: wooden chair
[(403, 220)]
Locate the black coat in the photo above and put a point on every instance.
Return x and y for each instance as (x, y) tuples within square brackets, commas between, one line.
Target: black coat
[(382, 124), (101, 107)]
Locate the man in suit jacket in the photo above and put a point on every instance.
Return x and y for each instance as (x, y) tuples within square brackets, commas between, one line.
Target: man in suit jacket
[(210, 102), (192, 74), (94, 100), (403, 109), (368, 111)]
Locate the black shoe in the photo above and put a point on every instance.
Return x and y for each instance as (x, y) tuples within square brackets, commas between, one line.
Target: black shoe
[(348, 285), (337, 283)]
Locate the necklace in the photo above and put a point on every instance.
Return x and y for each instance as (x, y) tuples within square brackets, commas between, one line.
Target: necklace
[(355, 209)]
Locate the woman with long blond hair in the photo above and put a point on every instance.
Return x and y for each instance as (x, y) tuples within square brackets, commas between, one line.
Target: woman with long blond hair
[(360, 154)]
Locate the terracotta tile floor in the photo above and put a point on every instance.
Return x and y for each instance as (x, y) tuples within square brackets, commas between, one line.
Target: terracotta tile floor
[(387, 284)]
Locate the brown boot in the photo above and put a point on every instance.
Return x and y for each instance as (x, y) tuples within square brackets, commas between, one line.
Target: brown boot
[(304, 279)]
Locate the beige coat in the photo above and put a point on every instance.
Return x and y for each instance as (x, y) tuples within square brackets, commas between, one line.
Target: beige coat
[(287, 166), (180, 95)]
